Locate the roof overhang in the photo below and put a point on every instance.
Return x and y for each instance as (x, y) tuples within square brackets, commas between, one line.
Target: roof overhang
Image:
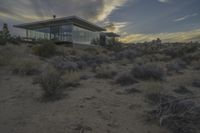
[(61, 21), (111, 34)]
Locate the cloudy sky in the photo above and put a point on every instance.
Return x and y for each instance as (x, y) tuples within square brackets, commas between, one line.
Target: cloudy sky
[(134, 20)]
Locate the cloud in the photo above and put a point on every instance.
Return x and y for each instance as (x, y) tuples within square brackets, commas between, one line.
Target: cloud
[(193, 35), (185, 17), (22, 11), (163, 1), (115, 26), (108, 7), (94, 10)]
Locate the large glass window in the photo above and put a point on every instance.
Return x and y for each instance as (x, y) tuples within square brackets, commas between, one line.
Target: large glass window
[(40, 33), (57, 33), (65, 33), (68, 33), (61, 33), (83, 36)]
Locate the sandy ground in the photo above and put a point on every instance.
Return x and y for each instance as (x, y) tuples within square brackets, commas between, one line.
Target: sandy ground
[(97, 106)]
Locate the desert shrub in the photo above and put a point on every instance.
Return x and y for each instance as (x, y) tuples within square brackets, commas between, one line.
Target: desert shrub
[(161, 57), (183, 90), (25, 66), (6, 54), (10, 52), (63, 63), (196, 65), (51, 84), (127, 54), (125, 79), (15, 40), (3, 40), (196, 83), (195, 56), (176, 66), (4, 60), (123, 62), (93, 60), (66, 51), (82, 64), (142, 60), (132, 91), (178, 115), (71, 79), (92, 51), (45, 49), (180, 50), (114, 47), (105, 71), (153, 91), (148, 71)]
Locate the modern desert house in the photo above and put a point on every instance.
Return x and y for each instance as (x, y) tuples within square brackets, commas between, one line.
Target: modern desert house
[(72, 30)]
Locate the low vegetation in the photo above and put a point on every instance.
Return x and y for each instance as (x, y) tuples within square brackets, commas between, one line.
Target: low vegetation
[(160, 81), (25, 66), (71, 79), (45, 49), (105, 71), (51, 84), (178, 115), (148, 71), (183, 90), (64, 63), (196, 83), (125, 80), (3, 41), (152, 92)]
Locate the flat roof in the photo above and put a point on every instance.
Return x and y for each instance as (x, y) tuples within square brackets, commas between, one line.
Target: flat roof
[(111, 34), (62, 21)]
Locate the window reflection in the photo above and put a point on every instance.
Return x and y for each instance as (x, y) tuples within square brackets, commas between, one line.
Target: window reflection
[(83, 36), (69, 33)]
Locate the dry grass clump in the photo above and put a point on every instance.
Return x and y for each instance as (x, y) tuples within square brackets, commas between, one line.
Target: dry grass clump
[(125, 80), (105, 71), (196, 65), (51, 84), (63, 63), (71, 79), (94, 60), (183, 90), (129, 54), (3, 40), (124, 62), (152, 91), (25, 66), (9, 52), (4, 60), (176, 66), (180, 50), (45, 49), (141, 60), (178, 115), (148, 71), (196, 83), (160, 57)]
